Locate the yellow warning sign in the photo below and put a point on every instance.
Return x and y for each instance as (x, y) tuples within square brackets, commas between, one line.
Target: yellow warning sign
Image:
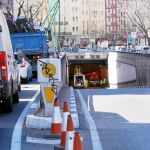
[(49, 94), (48, 70)]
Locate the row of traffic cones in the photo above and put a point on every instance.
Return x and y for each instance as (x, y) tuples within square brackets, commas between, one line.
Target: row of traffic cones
[(70, 140)]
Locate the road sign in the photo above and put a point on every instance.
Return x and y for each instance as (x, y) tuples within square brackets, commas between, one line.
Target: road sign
[(148, 32), (49, 69), (134, 35)]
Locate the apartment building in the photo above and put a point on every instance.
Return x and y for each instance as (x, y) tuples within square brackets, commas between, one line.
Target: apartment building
[(112, 19), (119, 17), (6, 4), (82, 19)]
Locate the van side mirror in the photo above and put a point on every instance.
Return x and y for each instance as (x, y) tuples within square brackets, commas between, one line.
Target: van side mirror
[(30, 61), (0, 28)]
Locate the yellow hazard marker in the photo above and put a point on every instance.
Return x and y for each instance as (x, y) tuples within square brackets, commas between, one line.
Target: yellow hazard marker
[(49, 94), (48, 70)]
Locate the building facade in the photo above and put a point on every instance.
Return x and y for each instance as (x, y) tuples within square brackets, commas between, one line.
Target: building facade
[(112, 19), (6, 4), (82, 19), (120, 17)]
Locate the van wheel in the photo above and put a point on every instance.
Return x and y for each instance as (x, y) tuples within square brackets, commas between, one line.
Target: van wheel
[(19, 87), (27, 79), (31, 79), (16, 97), (8, 104)]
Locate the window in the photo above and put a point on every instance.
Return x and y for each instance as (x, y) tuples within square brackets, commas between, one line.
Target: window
[(73, 29), (64, 29), (76, 18), (77, 29), (114, 28), (108, 29), (1, 2), (114, 19), (114, 11)]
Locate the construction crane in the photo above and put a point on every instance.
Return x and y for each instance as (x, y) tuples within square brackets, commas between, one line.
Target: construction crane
[(53, 14)]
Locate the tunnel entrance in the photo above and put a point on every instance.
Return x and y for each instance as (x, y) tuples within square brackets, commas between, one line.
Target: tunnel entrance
[(88, 73)]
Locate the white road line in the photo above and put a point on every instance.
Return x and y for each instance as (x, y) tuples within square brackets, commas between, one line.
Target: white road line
[(72, 102), (34, 105), (73, 105), (42, 141), (93, 130), (89, 98), (72, 97), (17, 132), (73, 109)]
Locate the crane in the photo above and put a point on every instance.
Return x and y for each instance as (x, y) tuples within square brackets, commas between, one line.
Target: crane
[(53, 14)]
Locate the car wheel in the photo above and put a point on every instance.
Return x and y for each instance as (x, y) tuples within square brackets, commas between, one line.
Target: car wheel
[(31, 79), (16, 97), (27, 79), (8, 104), (19, 87)]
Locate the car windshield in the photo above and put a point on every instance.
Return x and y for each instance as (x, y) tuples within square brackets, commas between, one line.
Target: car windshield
[(19, 61), (146, 48)]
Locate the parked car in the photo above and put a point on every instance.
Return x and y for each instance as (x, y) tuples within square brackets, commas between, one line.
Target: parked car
[(25, 69), (146, 49), (8, 69), (18, 73)]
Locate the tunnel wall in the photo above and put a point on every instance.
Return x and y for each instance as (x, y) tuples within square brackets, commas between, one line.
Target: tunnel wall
[(128, 69)]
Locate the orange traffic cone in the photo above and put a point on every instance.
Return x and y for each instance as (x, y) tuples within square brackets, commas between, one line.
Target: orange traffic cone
[(77, 145), (64, 124), (56, 119), (69, 134)]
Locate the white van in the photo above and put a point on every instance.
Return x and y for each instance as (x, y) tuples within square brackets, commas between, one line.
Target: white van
[(8, 69)]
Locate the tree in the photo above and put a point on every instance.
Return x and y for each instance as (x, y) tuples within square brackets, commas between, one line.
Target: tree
[(139, 16), (33, 12), (21, 3)]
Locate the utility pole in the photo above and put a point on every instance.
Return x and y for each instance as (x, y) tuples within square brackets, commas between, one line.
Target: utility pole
[(28, 9), (59, 21)]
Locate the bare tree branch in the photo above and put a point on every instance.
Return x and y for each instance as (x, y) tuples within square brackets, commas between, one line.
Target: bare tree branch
[(20, 7), (37, 11)]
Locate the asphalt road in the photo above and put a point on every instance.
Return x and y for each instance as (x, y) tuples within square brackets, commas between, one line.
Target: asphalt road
[(8, 120), (122, 117)]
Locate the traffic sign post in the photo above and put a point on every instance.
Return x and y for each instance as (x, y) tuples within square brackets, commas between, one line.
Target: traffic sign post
[(134, 35), (148, 33), (49, 73)]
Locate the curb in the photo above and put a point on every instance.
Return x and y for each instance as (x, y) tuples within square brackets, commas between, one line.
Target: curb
[(142, 86), (36, 122)]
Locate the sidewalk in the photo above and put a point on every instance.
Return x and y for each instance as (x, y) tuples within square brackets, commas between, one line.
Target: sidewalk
[(38, 125)]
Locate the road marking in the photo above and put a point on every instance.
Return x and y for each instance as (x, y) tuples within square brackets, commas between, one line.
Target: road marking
[(93, 130), (89, 97), (72, 102), (72, 97), (73, 109), (17, 132), (42, 141), (73, 105)]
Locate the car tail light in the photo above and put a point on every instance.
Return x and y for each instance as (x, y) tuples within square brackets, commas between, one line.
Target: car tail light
[(37, 57), (3, 66), (23, 64)]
